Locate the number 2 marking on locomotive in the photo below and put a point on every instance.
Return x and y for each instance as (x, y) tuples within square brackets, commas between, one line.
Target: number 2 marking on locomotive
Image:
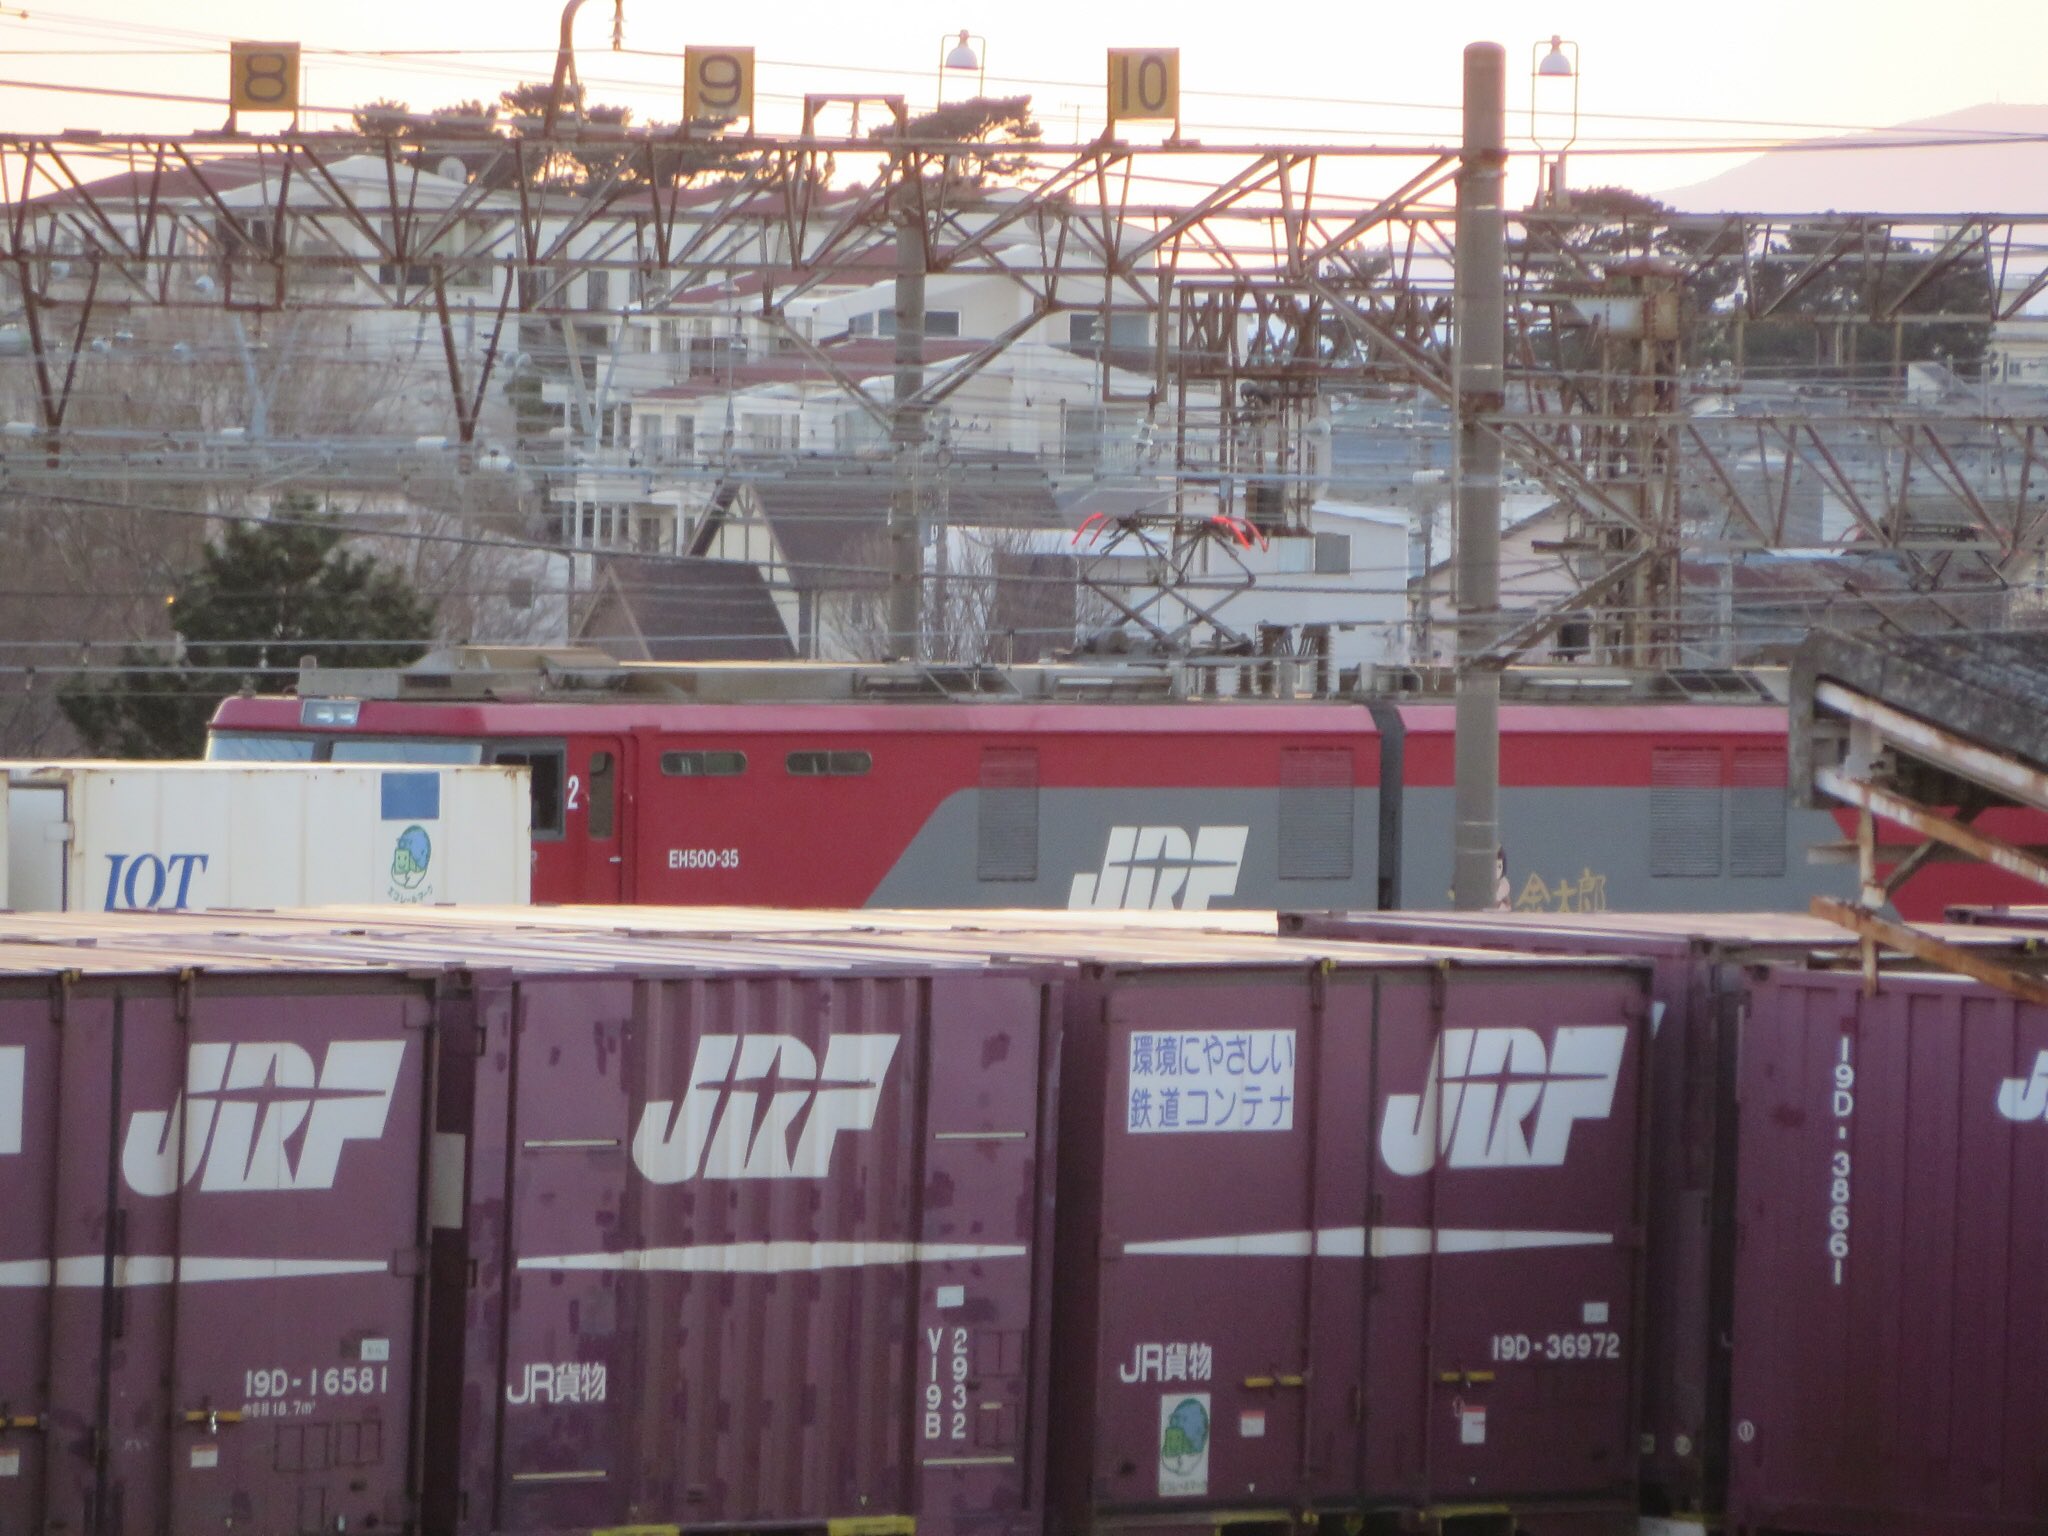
[(575, 793), (945, 1401)]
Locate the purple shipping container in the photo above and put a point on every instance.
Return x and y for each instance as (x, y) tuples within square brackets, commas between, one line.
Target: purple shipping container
[(1891, 1315), (624, 1230), (210, 1274), (1348, 1236), (1698, 986), (1702, 971), (747, 1251)]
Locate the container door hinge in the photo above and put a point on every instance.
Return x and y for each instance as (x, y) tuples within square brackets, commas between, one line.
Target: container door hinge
[(60, 994)]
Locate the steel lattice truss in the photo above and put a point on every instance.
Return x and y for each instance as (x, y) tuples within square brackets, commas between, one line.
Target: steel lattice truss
[(1273, 275)]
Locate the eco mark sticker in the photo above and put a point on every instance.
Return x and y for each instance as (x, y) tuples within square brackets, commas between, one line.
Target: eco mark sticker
[(410, 857), (1184, 1445), (411, 853)]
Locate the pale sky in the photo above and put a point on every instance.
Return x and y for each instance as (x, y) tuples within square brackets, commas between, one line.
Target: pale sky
[(1358, 71)]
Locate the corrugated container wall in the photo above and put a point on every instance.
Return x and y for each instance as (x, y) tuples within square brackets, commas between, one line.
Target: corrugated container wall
[(1698, 986), (1271, 1301), (1891, 1298), (319, 1237), (734, 1251), (210, 1268), (190, 836)]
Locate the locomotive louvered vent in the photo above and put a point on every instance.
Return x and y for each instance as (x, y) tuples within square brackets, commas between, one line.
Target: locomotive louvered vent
[(838, 765), (1756, 812), (1315, 813), (703, 765), (1008, 847), (1685, 811)]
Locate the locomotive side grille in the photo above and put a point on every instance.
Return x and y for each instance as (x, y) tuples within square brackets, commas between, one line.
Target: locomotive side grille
[(1008, 844), (1315, 813), (1685, 812), (1756, 812)]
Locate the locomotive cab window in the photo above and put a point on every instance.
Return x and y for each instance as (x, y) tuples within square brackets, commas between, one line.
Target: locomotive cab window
[(268, 747), (829, 764), (360, 749), (545, 766), (259, 747)]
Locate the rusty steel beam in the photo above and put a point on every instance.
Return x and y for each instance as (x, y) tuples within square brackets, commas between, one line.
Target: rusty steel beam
[(1923, 946), (1933, 745), (1931, 824)]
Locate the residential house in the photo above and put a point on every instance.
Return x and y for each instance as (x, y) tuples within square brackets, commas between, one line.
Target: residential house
[(684, 610), (819, 535)]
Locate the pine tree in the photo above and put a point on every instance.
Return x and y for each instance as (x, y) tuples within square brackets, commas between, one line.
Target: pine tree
[(263, 596)]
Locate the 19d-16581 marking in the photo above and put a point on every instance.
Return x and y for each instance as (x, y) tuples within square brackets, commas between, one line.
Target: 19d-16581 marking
[(277, 1393)]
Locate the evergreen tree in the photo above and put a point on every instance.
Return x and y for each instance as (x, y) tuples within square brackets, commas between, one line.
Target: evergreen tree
[(263, 596)]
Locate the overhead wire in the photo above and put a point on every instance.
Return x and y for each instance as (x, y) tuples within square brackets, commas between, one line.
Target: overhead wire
[(1930, 136), (43, 18), (1718, 146)]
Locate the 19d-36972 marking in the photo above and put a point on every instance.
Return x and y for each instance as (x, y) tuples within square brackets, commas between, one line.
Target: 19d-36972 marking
[(1511, 1347)]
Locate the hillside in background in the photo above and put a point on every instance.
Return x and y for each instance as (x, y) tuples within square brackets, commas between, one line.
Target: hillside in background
[(1926, 178)]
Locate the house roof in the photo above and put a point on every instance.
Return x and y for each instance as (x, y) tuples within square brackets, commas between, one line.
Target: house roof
[(831, 521), (1358, 512), (863, 357), (255, 181), (1802, 573), (176, 183), (879, 260), (685, 610), (1116, 502), (1511, 521)]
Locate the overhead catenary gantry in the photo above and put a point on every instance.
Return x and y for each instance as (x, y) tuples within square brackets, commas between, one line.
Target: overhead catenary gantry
[(1270, 274)]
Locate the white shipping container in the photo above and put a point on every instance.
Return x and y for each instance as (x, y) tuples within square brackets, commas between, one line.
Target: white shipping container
[(117, 836)]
